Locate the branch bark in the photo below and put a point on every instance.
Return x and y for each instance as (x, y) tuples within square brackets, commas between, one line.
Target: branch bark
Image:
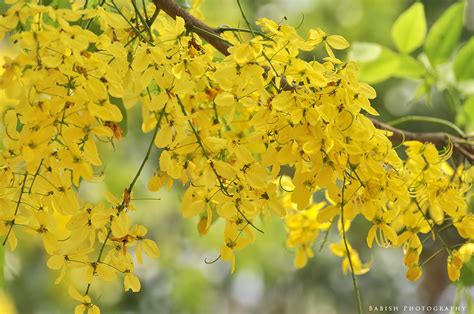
[(212, 35), (460, 145), (209, 34)]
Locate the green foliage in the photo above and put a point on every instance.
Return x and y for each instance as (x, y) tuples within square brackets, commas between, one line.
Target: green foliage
[(465, 116), (364, 52), (380, 63), (467, 274), (408, 33), (409, 30), (463, 63), (409, 67), (444, 35), (444, 66)]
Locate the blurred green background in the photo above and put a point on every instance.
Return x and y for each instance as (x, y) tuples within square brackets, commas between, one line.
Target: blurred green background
[(265, 280)]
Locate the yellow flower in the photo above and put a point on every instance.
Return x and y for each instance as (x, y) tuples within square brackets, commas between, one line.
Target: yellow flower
[(131, 282), (301, 257), (303, 228), (414, 272), (258, 132), (411, 257), (237, 235), (415, 223), (86, 302), (148, 246), (381, 231), (339, 249), (245, 52), (454, 265), (72, 258)]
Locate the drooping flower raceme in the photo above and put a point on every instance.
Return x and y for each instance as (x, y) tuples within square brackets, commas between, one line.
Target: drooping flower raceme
[(227, 128)]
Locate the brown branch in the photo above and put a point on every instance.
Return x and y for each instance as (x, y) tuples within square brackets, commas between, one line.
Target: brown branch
[(440, 139), (212, 36), (209, 34)]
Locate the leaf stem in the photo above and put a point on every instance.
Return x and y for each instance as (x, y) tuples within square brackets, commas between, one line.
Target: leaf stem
[(245, 18), (354, 279), (136, 30), (445, 245), (223, 29), (213, 168), (414, 118), (16, 208), (142, 19), (437, 252), (144, 10), (145, 159), (121, 207), (35, 175)]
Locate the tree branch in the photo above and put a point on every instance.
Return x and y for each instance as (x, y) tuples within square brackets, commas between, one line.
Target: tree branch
[(460, 145), (212, 35), (209, 34)]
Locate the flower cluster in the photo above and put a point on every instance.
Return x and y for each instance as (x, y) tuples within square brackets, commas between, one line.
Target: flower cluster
[(227, 128)]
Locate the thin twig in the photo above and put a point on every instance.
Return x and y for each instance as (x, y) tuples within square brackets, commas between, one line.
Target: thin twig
[(245, 18), (222, 29), (121, 207), (153, 17), (16, 208), (354, 279), (427, 119), (162, 113), (213, 168), (440, 139), (143, 20), (445, 244)]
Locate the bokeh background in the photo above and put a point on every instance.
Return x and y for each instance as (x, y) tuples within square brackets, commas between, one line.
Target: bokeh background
[(265, 280)]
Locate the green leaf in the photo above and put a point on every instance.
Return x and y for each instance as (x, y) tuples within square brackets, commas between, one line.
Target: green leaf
[(119, 103), (463, 62), (465, 116), (380, 69), (444, 34), (364, 52), (409, 67), (409, 30), (467, 274)]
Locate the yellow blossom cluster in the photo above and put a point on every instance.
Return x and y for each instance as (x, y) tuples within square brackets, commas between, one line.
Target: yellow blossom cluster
[(226, 128)]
